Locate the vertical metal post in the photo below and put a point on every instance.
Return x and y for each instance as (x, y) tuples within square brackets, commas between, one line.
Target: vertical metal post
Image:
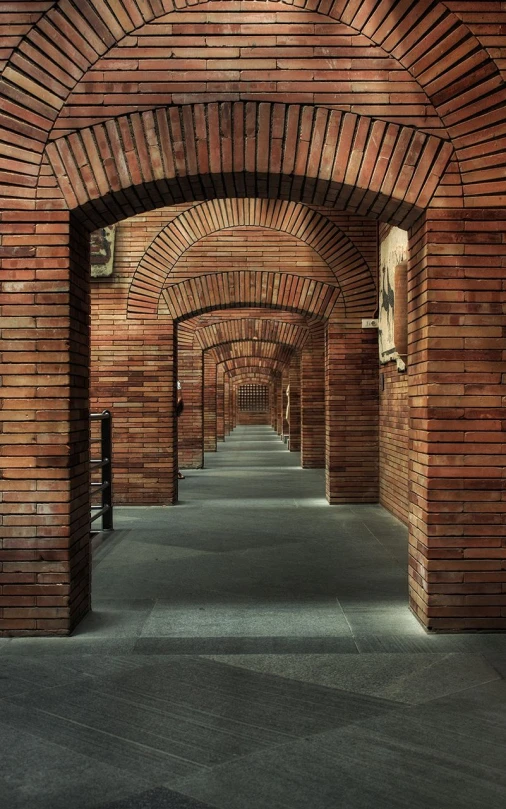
[(106, 434)]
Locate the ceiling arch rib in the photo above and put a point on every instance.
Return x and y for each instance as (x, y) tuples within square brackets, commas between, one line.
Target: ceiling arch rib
[(263, 375), (333, 246), (134, 163), (453, 73), (252, 330), (246, 364), (253, 351), (237, 289)]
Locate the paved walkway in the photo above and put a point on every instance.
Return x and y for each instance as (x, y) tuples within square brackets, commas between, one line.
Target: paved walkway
[(252, 648)]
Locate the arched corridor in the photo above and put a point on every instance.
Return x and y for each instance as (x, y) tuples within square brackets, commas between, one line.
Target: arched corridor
[(269, 238)]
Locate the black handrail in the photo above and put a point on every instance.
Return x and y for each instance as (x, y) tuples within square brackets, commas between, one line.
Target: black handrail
[(105, 464)]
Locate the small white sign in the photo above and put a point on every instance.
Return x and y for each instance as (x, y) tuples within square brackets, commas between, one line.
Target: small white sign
[(369, 323)]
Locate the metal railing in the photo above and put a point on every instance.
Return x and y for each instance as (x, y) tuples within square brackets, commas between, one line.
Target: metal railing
[(103, 464)]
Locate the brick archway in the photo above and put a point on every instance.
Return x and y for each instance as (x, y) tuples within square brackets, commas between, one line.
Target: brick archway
[(333, 246), (243, 349), (251, 329), (249, 288), (248, 363), (78, 36), (260, 149)]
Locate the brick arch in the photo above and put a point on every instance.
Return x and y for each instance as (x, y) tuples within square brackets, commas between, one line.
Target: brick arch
[(273, 150), (76, 37), (252, 330), (332, 245), (245, 364), (264, 375), (230, 290), (252, 350)]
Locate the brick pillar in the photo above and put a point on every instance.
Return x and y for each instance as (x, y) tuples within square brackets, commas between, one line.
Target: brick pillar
[(44, 570), (279, 406), (294, 421), (272, 403), (313, 404), (456, 368), (351, 401), (135, 379), (233, 405), (220, 416), (190, 425), (209, 403), (226, 406)]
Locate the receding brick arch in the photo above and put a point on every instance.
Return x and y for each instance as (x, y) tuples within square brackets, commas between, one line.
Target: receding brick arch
[(251, 329), (255, 149), (253, 350), (76, 37), (230, 290), (333, 246), (258, 375), (247, 364)]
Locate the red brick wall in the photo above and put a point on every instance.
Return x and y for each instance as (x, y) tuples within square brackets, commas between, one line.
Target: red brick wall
[(457, 366), (294, 415), (209, 403), (351, 402), (44, 550), (190, 424), (245, 417), (312, 400), (393, 441)]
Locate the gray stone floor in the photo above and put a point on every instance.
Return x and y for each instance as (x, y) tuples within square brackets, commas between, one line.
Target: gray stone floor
[(252, 648)]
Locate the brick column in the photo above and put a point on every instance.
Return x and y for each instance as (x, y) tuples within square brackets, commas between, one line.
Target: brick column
[(233, 406), (457, 330), (226, 406), (209, 403), (272, 403), (351, 402), (190, 425), (44, 561), (133, 376), (279, 406), (312, 399), (220, 416), (294, 421)]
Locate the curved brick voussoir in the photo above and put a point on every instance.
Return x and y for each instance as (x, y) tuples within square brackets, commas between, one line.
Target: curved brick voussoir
[(252, 350), (450, 66), (253, 374), (307, 154), (229, 290), (248, 365), (251, 330), (333, 246)]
